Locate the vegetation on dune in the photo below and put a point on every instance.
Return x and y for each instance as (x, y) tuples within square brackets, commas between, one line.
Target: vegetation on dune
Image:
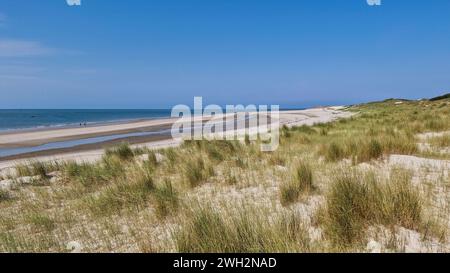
[(441, 141), (123, 151), (4, 195), (359, 200), (443, 97), (190, 198), (36, 168), (300, 183), (240, 230)]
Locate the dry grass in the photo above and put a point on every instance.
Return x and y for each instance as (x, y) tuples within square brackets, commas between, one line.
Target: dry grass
[(359, 200), (241, 230), (301, 183), (441, 141)]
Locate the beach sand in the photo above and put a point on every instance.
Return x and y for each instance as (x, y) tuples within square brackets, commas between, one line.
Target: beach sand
[(93, 152)]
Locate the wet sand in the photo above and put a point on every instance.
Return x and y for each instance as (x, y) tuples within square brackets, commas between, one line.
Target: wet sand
[(42, 136), (94, 151)]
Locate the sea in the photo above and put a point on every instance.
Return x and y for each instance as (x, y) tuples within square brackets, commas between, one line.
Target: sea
[(42, 118)]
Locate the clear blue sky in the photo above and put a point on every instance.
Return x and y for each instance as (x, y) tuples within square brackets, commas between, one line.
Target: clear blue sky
[(157, 53)]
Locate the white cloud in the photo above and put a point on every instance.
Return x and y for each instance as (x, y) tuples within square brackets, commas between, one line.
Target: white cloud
[(22, 48)]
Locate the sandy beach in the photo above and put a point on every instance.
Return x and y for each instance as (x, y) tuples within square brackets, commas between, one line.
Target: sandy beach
[(94, 151)]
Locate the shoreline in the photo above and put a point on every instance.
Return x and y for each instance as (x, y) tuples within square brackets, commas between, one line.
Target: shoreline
[(90, 124), (73, 125), (86, 147), (81, 152), (35, 137)]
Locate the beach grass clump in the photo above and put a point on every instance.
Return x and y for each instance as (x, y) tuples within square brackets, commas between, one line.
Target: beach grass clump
[(4, 195), (436, 124), (365, 149), (40, 169), (289, 193), (406, 146), (124, 194), (217, 150), (358, 200), (152, 160), (440, 141), (276, 159), (300, 183), (112, 167), (166, 199), (86, 174), (346, 210), (333, 152), (123, 151), (230, 178), (405, 200), (144, 176), (240, 162), (171, 155), (197, 171), (304, 177), (369, 150), (215, 153), (22, 170), (285, 132), (36, 168), (240, 230), (42, 221), (304, 129)]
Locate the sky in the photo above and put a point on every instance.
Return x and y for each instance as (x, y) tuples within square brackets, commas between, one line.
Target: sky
[(159, 53)]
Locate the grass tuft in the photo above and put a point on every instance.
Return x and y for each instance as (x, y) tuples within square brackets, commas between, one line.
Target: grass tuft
[(440, 141), (241, 230), (166, 199), (300, 183), (358, 200), (197, 171), (4, 195), (123, 151)]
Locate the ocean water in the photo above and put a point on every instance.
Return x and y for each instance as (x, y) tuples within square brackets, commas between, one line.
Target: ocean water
[(27, 119)]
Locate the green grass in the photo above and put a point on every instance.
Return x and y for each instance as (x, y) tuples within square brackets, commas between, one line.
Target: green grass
[(131, 195), (359, 200), (4, 195), (166, 199), (333, 152), (36, 168), (301, 183), (366, 149), (244, 230), (440, 141), (152, 161), (197, 172), (123, 151), (86, 174), (42, 221)]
